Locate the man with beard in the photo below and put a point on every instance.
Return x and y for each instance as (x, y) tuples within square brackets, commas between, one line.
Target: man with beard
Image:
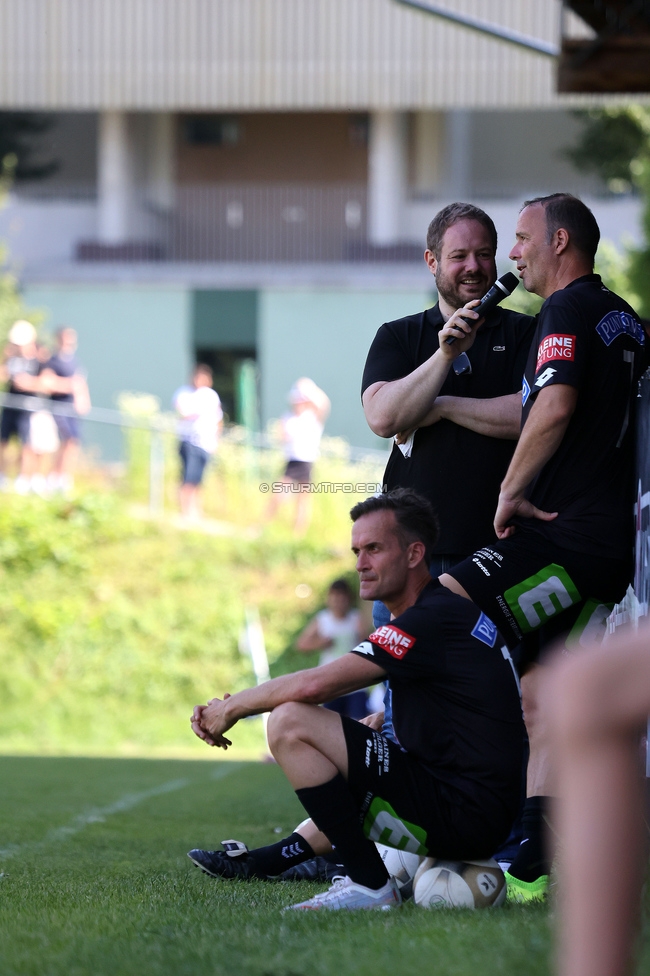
[(454, 410)]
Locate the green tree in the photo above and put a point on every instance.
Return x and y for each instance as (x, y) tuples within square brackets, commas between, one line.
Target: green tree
[(615, 143)]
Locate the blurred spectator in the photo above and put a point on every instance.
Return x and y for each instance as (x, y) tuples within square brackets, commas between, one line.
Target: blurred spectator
[(335, 631), (63, 379), (598, 700), (199, 408), (20, 370), (302, 430)]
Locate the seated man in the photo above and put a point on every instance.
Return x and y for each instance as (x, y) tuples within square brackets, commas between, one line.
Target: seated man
[(451, 787)]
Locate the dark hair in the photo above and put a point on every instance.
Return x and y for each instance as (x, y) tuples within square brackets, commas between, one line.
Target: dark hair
[(202, 368), (449, 216), (415, 518), (565, 210), (342, 586)]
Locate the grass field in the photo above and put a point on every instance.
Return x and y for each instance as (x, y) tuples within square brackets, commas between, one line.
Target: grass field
[(96, 882)]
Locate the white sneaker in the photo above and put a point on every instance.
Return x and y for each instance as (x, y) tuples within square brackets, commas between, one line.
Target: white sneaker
[(38, 485), (344, 893), (22, 485)]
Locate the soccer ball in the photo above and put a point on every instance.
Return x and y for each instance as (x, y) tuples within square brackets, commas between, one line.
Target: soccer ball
[(401, 865), (459, 884)]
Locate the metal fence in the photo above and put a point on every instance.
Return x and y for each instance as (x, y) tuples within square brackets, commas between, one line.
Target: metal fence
[(163, 425)]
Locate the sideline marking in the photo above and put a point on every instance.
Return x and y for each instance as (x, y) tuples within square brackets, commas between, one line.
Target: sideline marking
[(99, 814)]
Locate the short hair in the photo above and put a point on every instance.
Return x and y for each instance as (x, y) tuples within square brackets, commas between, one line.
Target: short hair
[(565, 210), (64, 328), (414, 515), (451, 215), (341, 586), (202, 368)]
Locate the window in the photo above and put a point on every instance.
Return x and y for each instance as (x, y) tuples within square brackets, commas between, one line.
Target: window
[(211, 130)]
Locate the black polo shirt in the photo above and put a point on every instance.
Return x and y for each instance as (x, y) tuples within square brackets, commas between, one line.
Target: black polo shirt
[(589, 338), (458, 470)]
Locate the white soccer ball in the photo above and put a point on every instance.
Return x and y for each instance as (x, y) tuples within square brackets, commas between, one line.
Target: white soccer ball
[(459, 884), (401, 865)]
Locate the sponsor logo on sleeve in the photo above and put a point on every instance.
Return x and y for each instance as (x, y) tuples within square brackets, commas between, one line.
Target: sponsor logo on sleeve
[(365, 647), (485, 631), (525, 392), (556, 347), (545, 376), (392, 640), (620, 323)]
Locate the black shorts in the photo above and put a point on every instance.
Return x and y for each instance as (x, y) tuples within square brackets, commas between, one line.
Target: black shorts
[(298, 471), (193, 462), (527, 584), (68, 427), (15, 423), (403, 805)]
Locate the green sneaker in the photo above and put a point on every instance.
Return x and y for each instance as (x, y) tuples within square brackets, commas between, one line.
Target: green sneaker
[(525, 892)]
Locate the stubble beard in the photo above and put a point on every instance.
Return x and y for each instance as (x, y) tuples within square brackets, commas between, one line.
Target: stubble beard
[(449, 292)]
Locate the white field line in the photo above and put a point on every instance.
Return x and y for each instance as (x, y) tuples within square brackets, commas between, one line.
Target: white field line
[(99, 814)]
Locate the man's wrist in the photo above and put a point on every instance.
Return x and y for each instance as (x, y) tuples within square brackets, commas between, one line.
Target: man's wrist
[(510, 496)]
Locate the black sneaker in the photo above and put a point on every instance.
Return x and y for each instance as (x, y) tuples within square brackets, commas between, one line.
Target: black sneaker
[(315, 869), (233, 862)]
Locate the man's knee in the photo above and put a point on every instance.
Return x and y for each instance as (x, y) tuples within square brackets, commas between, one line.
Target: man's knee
[(288, 722)]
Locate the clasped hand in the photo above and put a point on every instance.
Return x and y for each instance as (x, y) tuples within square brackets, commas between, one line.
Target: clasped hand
[(209, 722), (461, 326)]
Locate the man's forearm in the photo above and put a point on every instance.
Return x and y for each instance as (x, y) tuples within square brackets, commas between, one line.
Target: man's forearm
[(540, 438), (403, 403), (493, 417), (311, 686)]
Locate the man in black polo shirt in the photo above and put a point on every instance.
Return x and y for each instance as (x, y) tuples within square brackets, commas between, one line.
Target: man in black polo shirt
[(463, 401), (452, 789), (565, 512)]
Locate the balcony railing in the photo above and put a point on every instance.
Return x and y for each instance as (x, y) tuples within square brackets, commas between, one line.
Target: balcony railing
[(226, 222), (248, 223)]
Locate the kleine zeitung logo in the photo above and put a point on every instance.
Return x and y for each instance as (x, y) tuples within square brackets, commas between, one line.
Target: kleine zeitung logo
[(393, 640)]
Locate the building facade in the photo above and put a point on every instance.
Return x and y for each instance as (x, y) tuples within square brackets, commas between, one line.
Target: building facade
[(246, 179)]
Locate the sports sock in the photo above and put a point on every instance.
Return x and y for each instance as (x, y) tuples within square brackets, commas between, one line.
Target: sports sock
[(531, 860), (276, 858), (334, 811)]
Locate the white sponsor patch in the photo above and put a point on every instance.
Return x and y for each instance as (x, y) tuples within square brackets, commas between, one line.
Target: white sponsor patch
[(545, 376), (364, 648)]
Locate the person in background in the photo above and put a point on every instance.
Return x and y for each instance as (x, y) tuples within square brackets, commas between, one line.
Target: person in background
[(335, 631), (598, 701), (201, 422), (20, 370), (302, 430), (63, 378)]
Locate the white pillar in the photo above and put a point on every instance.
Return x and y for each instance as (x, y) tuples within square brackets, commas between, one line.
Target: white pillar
[(114, 178), (459, 150), (386, 176), (161, 160)]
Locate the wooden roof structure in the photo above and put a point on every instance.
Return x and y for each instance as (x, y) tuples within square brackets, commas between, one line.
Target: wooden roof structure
[(616, 59)]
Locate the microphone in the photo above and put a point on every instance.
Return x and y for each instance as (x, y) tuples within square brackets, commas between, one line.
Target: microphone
[(501, 288)]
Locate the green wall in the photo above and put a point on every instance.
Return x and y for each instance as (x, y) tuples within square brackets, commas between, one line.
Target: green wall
[(326, 334), (131, 337), (141, 338), (225, 319)]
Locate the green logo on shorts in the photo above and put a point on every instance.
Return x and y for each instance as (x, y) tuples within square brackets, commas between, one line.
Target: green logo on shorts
[(541, 596), (384, 826), (591, 625)]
